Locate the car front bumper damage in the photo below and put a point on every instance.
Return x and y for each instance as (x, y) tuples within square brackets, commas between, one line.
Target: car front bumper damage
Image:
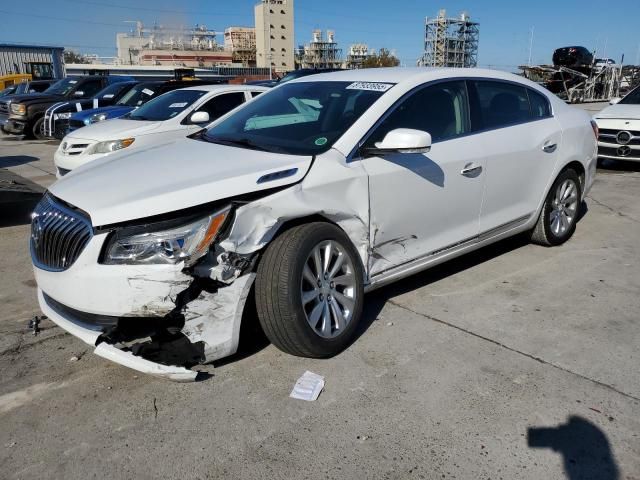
[(155, 319)]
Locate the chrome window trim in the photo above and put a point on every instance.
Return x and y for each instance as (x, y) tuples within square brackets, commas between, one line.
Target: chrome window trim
[(353, 154)]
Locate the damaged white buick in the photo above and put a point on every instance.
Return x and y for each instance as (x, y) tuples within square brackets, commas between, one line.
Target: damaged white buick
[(305, 198)]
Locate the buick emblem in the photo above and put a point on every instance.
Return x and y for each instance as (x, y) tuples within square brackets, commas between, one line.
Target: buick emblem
[(36, 230), (624, 151), (623, 137)]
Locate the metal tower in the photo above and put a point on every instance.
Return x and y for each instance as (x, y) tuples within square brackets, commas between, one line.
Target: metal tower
[(450, 42)]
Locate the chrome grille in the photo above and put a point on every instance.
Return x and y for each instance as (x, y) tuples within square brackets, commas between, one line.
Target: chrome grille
[(4, 108), (58, 235)]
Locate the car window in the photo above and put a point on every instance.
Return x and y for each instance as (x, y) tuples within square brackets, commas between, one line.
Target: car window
[(502, 104), (299, 118), (90, 87), (255, 94), (632, 98), (440, 109), (221, 104), (62, 87), (138, 95), (540, 107), (112, 90), (166, 106)]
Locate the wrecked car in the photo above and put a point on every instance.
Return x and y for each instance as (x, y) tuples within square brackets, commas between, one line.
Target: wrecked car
[(300, 201)]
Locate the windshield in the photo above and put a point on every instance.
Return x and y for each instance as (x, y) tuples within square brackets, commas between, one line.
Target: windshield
[(62, 87), (633, 98), (112, 90), (300, 118), (137, 95), (166, 106)]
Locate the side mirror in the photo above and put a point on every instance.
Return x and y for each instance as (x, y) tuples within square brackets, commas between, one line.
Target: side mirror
[(78, 93), (199, 117), (615, 100), (402, 140)]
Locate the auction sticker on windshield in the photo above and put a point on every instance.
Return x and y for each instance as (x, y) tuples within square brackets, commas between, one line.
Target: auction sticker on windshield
[(374, 86), (178, 105), (147, 91)]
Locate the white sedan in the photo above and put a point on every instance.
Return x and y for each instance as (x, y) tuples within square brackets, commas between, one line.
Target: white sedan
[(619, 128), (302, 200), (172, 115)]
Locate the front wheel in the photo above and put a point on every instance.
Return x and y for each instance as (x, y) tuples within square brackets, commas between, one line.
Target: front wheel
[(559, 214), (309, 290), (37, 129)]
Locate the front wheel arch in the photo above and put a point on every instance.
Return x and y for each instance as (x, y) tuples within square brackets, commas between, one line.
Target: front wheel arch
[(298, 221)]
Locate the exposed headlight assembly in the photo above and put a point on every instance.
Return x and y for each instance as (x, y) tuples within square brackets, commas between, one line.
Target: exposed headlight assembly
[(96, 118), (110, 146), (186, 243), (62, 116), (18, 108)]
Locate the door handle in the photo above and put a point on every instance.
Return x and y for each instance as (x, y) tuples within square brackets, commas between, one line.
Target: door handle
[(471, 169), (550, 148)]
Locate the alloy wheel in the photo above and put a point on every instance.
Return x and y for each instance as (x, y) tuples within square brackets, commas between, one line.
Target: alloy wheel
[(328, 289), (564, 207)]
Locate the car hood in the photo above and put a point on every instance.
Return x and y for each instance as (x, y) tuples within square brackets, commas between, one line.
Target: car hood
[(115, 129), (36, 98), (620, 111), (172, 176), (111, 111)]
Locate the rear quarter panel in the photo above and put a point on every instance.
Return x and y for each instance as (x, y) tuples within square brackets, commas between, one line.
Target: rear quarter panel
[(579, 143)]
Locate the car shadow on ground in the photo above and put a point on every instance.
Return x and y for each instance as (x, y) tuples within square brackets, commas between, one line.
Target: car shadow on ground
[(376, 300), (585, 449), (15, 160), (608, 166)]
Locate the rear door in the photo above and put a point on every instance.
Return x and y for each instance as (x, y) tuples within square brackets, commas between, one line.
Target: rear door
[(520, 138)]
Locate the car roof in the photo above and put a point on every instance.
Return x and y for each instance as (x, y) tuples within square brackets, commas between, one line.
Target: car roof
[(407, 75), (225, 86)]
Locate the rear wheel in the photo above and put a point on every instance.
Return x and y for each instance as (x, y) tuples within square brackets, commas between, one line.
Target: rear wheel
[(309, 290), (558, 217)]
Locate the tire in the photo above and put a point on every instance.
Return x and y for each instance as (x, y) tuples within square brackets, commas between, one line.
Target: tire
[(559, 214), (291, 309), (36, 130)]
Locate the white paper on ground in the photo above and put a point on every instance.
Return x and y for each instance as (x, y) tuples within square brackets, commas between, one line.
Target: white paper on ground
[(308, 387)]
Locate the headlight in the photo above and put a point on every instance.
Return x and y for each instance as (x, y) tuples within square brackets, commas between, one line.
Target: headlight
[(110, 146), (18, 108), (96, 118), (186, 243), (62, 116)]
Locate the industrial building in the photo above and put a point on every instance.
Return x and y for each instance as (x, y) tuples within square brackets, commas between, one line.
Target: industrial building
[(450, 41), (241, 42), (321, 52), (174, 46), (41, 62), (358, 53), (274, 34)]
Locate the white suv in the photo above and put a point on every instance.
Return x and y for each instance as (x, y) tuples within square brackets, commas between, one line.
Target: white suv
[(303, 199)]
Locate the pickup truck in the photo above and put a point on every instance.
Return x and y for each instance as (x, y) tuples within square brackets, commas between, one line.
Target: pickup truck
[(24, 114), (56, 118)]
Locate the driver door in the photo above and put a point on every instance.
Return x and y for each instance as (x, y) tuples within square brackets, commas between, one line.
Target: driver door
[(424, 203)]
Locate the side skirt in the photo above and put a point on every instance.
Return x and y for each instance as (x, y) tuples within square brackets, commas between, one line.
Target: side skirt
[(449, 252)]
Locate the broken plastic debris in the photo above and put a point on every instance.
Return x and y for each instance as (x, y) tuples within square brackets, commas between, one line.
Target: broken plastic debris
[(308, 387)]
